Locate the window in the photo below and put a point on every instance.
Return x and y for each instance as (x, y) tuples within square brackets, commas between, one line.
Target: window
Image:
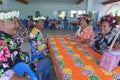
[(61, 14), (114, 11), (73, 12), (37, 13), (80, 12), (77, 12), (84, 12)]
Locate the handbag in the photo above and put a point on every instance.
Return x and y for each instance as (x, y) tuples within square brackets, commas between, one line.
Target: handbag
[(110, 58)]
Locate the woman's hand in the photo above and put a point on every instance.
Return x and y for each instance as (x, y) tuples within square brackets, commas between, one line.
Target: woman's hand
[(116, 45), (78, 40), (81, 45), (76, 34), (70, 37), (87, 44)]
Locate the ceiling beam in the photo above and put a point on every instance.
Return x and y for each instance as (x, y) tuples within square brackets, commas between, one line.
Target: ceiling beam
[(1, 2), (110, 1), (23, 1), (79, 1)]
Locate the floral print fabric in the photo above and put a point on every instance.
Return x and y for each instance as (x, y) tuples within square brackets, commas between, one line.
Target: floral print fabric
[(87, 33), (9, 53), (38, 42)]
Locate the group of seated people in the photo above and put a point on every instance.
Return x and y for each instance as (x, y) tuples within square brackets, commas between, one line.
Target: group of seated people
[(57, 23), (18, 65), (71, 22), (103, 40), (49, 23)]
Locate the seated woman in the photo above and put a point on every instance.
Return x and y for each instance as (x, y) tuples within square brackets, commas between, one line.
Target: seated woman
[(39, 48), (85, 32), (106, 36), (108, 32)]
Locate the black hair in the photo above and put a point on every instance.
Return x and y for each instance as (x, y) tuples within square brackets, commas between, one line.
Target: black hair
[(86, 17), (112, 23)]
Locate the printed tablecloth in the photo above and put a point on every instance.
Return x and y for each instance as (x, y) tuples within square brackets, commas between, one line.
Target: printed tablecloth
[(72, 63)]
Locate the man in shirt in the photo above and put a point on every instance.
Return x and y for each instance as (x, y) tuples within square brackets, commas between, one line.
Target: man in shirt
[(39, 49), (10, 54)]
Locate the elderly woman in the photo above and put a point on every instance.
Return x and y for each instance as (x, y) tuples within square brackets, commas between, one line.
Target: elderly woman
[(107, 34), (85, 32)]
